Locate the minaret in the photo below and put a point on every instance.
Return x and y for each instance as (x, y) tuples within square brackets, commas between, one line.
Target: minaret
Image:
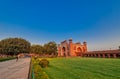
[(70, 40), (85, 46), (70, 46)]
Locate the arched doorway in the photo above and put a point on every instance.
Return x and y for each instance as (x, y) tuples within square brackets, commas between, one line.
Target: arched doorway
[(63, 51), (79, 51)]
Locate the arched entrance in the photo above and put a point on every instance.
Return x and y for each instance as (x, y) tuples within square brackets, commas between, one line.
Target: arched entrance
[(79, 51), (63, 51)]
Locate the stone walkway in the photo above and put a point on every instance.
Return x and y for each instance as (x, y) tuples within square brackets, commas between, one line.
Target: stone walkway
[(15, 70)]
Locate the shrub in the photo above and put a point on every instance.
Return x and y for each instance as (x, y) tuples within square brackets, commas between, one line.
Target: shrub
[(35, 57), (44, 63), (38, 72)]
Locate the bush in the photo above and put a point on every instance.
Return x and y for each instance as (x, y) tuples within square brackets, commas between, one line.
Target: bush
[(38, 72), (44, 63), (35, 57)]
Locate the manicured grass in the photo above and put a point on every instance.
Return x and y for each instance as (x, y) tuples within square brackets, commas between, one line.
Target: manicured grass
[(6, 58), (83, 68)]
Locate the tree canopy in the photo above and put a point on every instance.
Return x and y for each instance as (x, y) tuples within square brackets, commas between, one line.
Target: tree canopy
[(13, 46), (38, 49), (48, 48)]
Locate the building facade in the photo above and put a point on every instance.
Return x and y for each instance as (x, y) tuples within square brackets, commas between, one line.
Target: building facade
[(68, 48)]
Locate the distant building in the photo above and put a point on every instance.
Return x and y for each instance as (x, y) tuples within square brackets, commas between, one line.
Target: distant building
[(68, 48)]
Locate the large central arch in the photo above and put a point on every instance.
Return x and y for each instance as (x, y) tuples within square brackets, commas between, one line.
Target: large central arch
[(64, 51), (79, 51)]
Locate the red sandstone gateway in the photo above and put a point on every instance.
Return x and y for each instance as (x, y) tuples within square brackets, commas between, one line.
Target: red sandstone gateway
[(66, 48)]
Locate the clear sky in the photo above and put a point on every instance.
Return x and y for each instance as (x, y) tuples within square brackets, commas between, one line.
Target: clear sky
[(95, 21)]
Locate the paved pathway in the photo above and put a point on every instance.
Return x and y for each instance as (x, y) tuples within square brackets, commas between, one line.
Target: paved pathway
[(15, 70)]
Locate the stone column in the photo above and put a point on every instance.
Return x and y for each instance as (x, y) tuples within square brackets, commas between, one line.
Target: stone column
[(114, 55), (103, 55), (94, 55), (99, 55), (108, 55)]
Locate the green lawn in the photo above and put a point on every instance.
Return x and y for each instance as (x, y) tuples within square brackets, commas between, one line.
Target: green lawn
[(83, 68)]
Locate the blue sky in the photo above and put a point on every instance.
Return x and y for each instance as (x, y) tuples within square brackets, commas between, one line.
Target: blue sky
[(95, 21)]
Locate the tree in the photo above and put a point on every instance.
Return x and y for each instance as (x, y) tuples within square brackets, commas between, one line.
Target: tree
[(38, 49), (50, 48), (14, 46)]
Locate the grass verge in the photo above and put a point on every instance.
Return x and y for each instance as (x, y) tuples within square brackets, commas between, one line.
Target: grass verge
[(6, 58)]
